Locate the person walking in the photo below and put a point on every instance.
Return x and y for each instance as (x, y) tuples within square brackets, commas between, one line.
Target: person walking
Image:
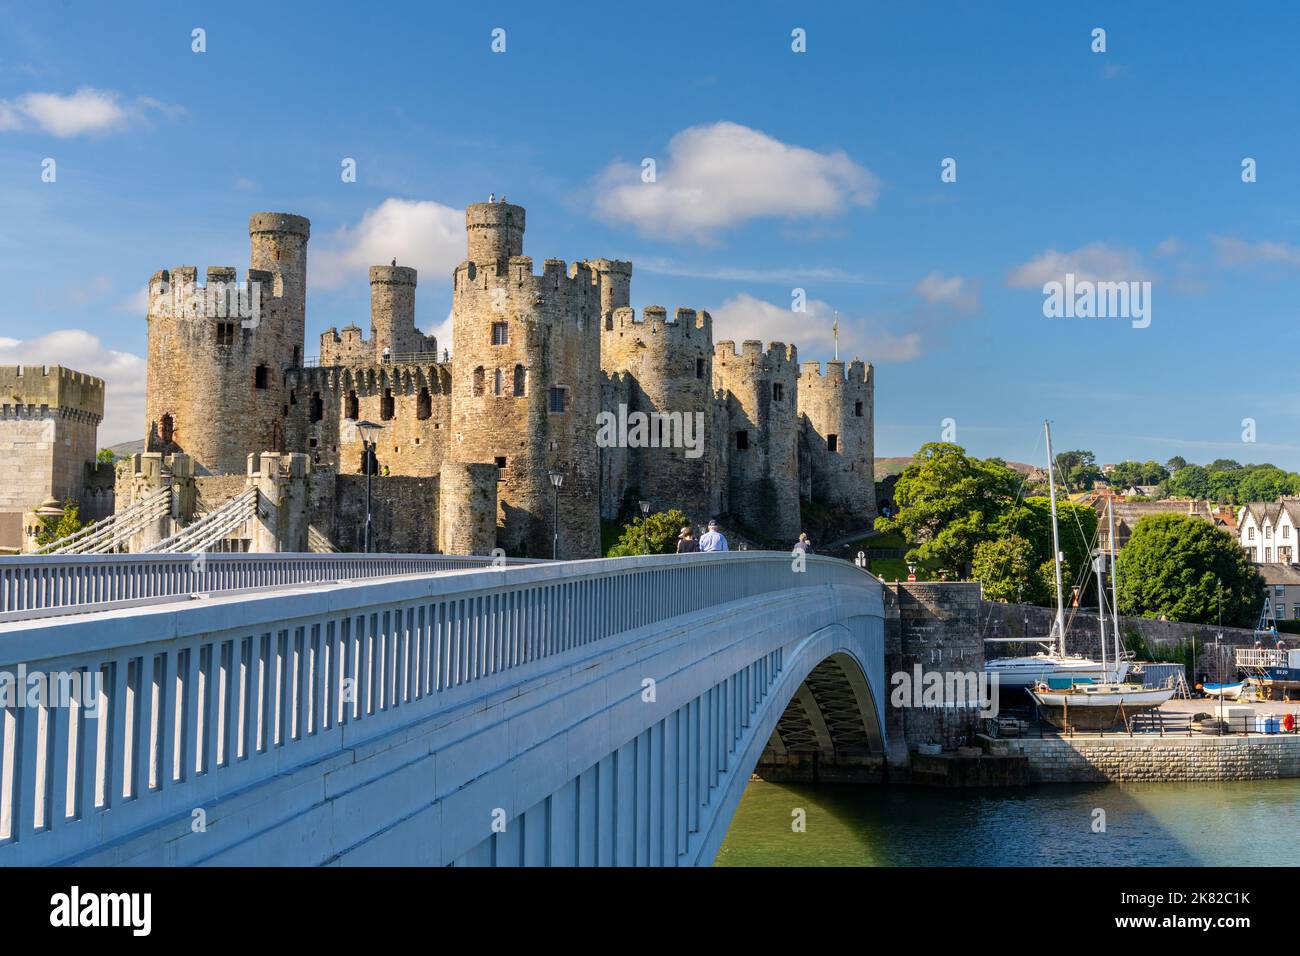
[(686, 543), (713, 540), (803, 544)]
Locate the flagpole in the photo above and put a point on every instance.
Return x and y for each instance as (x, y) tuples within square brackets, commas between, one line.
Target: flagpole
[(836, 329)]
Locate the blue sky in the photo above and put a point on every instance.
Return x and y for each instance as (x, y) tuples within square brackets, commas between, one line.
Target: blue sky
[(776, 170)]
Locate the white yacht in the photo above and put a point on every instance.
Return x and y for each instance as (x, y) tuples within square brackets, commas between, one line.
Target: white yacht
[(1053, 662)]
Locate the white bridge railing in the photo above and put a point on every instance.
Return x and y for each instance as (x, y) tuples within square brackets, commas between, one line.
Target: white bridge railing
[(49, 585), (197, 702)]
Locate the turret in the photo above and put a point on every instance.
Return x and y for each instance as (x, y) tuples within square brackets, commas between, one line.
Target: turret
[(495, 231), (836, 410), (392, 308), (614, 277)]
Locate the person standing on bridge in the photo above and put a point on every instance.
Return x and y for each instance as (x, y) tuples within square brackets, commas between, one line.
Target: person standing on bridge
[(803, 544), (686, 543), (713, 540)]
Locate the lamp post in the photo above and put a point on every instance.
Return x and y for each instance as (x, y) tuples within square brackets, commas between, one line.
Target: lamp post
[(645, 532), (557, 479), (369, 432)]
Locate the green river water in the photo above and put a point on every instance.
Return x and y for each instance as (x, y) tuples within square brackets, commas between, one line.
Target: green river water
[(1168, 824)]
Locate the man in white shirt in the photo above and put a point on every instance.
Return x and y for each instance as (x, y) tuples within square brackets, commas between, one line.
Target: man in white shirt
[(712, 540)]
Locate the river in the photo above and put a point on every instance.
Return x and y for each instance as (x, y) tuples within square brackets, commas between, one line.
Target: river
[(1169, 824)]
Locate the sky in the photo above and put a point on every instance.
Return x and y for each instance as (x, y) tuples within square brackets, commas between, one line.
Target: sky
[(774, 171)]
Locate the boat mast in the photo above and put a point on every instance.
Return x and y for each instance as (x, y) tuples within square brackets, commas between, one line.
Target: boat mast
[(1098, 560), (1056, 544), (1114, 574)]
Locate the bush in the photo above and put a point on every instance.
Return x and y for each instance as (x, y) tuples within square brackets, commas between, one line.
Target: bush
[(660, 530)]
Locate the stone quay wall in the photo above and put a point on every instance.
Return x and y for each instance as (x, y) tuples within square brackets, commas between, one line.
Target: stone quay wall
[(1156, 759)]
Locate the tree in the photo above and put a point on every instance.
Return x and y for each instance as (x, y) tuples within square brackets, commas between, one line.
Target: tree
[(1223, 464), (948, 503), (106, 456), (1008, 570), (1175, 463), (1264, 483), (1171, 564), (53, 529), (1190, 481), (660, 531), (1078, 469)]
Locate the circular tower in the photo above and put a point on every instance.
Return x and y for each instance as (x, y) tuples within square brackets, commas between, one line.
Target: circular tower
[(526, 384), (837, 415), (392, 309), (763, 445), (669, 429), (217, 354)]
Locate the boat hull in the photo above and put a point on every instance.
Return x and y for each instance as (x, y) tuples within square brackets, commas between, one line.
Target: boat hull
[(1096, 711), (1022, 673)]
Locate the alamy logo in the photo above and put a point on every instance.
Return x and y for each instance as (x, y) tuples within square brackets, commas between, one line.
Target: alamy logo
[(1084, 298), (651, 430), (74, 908), (959, 689), (216, 300), (58, 689)]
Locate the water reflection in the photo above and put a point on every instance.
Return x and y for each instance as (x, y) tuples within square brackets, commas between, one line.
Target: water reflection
[(1171, 824)]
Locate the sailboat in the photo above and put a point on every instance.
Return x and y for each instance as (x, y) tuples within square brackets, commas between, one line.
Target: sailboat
[(1097, 706), (1052, 662)]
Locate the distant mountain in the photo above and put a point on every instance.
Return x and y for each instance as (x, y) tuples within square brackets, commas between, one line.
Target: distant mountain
[(127, 448), (894, 466)]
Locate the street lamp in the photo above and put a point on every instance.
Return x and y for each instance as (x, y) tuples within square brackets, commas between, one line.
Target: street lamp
[(369, 432), (557, 479), (645, 532)]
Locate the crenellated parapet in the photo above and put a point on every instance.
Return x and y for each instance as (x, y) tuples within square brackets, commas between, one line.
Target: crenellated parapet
[(837, 413)]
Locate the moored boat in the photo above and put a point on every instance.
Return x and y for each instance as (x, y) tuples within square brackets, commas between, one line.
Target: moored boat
[(1096, 706)]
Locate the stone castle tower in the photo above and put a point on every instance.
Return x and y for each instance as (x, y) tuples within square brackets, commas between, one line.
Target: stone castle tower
[(526, 382), (538, 359), (217, 353)]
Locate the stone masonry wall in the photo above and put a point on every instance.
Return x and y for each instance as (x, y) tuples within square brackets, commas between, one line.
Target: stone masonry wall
[(48, 421), (1157, 759)]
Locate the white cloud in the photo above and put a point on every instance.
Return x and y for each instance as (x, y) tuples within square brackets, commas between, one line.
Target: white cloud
[(725, 174), (87, 111), (1236, 252), (1096, 262), (123, 374), (746, 317), (956, 292), (1169, 247), (426, 235)]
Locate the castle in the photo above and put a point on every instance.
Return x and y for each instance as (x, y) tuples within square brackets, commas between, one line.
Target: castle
[(537, 362)]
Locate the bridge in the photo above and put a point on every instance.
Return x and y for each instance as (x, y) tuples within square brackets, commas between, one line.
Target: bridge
[(605, 712)]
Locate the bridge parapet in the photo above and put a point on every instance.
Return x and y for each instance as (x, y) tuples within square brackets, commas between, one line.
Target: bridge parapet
[(197, 704)]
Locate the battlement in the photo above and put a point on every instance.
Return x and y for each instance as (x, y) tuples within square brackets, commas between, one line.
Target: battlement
[(611, 267), (52, 386), (279, 222), (392, 275), (778, 355), (837, 374), (177, 292), (654, 319), (574, 279)]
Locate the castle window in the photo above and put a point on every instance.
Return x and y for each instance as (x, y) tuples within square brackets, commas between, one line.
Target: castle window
[(353, 407), (386, 405), (778, 392), (478, 381), (317, 407), (293, 397), (225, 334), (609, 322), (857, 409), (559, 400), (699, 368), (498, 382), (500, 333), (501, 467), (165, 430), (261, 377), (297, 356), (521, 381), (423, 405), (742, 440), (832, 442)]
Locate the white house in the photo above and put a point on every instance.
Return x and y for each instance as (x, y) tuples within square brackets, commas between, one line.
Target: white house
[(1267, 531)]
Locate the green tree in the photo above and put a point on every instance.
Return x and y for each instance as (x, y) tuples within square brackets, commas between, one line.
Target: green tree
[(53, 529), (948, 503), (1223, 464), (660, 531), (1264, 483), (1008, 569), (106, 456), (1170, 567), (1175, 463), (1190, 481)]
